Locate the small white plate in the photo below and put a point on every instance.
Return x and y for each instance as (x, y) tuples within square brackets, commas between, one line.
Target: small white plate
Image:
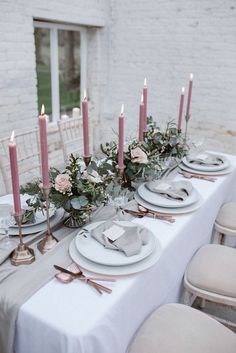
[(205, 168), (40, 217), (39, 227), (115, 270), (217, 173), (162, 201), (92, 250), (172, 211)]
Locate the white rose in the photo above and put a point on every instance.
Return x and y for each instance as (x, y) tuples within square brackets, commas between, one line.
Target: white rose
[(62, 183), (138, 156)]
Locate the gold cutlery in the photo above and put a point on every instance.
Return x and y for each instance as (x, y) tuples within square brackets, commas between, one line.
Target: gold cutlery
[(152, 214), (88, 280), (188, 175)]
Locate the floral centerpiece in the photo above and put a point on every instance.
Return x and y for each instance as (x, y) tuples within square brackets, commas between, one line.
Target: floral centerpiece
[(77, 189), (148, 158)]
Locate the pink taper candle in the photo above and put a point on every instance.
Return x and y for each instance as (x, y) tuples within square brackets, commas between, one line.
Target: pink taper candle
[(14, 176), (85, 125), (145, 92), (189, 97), (44, 148), (181, 105), (141, 120), (121, 139)]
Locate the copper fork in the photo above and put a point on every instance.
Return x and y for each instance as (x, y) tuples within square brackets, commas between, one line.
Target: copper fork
[(197, 176), (79, 274)]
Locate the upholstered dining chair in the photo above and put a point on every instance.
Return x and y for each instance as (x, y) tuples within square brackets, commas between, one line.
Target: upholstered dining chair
[(71, 134), (225, 223), (28, 158), (177, 328), (210, 275)]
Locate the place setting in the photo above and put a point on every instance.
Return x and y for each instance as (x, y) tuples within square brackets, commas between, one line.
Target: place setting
[(205, 165), (168, 196), (115, 248)]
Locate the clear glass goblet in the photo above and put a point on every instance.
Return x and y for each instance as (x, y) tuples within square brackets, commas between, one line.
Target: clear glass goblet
[(5, 221)]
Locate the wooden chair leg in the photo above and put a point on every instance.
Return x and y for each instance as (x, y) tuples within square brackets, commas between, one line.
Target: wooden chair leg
[(219, 238), (187, 297), (202, 303)]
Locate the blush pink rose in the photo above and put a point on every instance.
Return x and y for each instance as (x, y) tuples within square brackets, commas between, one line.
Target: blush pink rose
[(138, 156), (62, 183)]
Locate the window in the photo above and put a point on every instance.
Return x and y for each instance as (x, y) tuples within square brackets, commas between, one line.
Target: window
[(61, 67)]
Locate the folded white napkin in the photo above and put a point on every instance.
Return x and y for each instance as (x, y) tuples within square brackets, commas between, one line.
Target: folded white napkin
[(126, 239), (206, 159), (174, 190)]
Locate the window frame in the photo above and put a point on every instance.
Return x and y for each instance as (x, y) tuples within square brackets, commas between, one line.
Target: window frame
[(54, 62)]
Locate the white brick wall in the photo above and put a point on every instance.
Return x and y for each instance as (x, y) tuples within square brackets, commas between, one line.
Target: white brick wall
[(165, 41), (162, 40)]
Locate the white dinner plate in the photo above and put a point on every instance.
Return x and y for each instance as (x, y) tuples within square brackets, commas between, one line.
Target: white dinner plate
[(158, 200), (39, 227), (204, 168), (40, 217), (115, 270), (225, 171), (92, 250), (172, 211)]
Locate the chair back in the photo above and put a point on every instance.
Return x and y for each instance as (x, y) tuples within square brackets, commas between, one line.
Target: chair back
[(28, 157), (71, 134)]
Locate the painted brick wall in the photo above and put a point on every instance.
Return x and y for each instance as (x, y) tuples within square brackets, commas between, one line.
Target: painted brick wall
[(165, 41)]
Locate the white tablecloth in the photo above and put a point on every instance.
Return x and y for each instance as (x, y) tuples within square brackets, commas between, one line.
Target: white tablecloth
[(72, 318)]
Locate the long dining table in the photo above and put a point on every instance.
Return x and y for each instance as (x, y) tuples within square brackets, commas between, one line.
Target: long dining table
[(73, 318)]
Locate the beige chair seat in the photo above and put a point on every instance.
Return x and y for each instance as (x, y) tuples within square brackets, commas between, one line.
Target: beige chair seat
[(176, 328), (227, 216), (213, 269)]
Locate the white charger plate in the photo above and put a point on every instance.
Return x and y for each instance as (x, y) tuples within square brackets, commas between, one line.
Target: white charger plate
[(205, 168), (172, 211), (92, 250), (158, 200), (39, 227), (225, 171), (115, 270)]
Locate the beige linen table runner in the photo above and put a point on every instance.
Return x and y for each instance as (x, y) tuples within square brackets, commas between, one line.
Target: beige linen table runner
[(18, 284)]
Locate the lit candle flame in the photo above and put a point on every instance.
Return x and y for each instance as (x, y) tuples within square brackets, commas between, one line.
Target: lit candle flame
[(12, 136), (191, 77), (183, 89), (122, 110), (42, 110), (85, 95), (145, 82), (141, 98)]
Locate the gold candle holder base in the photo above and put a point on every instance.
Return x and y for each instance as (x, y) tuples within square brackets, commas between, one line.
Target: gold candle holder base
[(49, 241), (22, 255), (87, 160)]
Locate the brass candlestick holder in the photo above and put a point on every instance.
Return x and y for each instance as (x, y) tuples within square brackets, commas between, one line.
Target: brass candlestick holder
[(145, 133), (87, 160), (187, 117), (49, 241), (22, 255)]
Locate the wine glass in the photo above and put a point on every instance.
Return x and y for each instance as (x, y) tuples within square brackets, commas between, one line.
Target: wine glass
[(5, 220), (197, 146)]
